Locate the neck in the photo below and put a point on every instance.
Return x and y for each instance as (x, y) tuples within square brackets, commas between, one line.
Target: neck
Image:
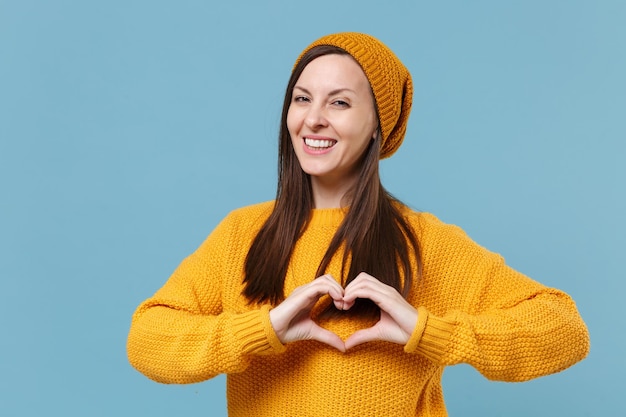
[(330, 193)]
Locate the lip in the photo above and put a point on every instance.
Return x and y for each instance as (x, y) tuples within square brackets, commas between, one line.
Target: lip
[(311, 151)]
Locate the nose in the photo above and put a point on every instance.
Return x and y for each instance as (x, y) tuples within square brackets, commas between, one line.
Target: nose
[(315, 117)]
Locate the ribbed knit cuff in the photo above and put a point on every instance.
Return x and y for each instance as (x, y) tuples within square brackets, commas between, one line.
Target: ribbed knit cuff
[(431, 336), (255, 333)]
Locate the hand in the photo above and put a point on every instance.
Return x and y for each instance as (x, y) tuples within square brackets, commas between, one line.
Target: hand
[(292, 321), (398, 318)]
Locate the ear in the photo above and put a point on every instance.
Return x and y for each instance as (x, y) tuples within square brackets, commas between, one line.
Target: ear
[(376, 134)]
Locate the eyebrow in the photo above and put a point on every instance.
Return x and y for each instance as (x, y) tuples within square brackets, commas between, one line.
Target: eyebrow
[(332, 93)]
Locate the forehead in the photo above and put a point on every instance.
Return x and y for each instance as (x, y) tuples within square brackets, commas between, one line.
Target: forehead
[(336, 71)]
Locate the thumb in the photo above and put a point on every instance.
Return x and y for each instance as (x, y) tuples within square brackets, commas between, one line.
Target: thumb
[(362, 336), (326, 336)]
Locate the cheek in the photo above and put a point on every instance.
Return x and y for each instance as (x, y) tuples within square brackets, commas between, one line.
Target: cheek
[(292, 121)]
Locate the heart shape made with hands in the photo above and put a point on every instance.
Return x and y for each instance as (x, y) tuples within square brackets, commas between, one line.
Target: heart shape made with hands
[(292, 319)]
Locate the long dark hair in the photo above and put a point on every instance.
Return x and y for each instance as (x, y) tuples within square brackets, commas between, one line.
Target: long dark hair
[(377, 237)]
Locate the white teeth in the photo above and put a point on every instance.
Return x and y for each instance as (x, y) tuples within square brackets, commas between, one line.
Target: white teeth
[(318, 143)]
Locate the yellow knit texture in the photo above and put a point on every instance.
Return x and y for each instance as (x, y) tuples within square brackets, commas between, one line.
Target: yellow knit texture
[(472, 309)]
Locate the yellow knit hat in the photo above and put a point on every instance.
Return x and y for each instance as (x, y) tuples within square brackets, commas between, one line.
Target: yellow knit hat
[(390, 81)]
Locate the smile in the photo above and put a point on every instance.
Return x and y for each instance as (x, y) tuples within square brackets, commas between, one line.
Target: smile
[(319, 143)]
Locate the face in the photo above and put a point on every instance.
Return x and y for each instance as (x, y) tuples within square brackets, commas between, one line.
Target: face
[(331, 119)]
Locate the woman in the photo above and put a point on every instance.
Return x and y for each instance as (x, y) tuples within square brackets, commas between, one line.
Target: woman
[(336, 299)]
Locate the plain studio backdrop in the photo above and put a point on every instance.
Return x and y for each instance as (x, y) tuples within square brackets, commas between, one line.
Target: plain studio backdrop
[(129, 129)]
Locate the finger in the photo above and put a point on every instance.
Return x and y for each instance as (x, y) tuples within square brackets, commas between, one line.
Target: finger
[(386, 298), (360, 337), (299, 302), (339, 305), (307, 295), (326, 336), (335, 290), (366, 286), (363, 290), (393, 304), (364, 280)]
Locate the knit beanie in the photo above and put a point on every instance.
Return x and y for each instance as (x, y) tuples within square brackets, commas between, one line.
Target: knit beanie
[(390, 81)]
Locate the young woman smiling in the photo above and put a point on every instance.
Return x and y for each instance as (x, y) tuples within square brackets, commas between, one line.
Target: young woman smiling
[(331, 121), (335, 298)]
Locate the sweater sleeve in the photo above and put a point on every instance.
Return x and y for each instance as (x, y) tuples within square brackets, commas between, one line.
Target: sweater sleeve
[(183, 334), (506, 325)]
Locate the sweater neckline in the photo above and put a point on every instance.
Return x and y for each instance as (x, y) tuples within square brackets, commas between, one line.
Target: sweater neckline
[(328, 215)]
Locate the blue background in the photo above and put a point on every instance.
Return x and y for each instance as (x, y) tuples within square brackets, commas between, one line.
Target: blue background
[(128, 129)]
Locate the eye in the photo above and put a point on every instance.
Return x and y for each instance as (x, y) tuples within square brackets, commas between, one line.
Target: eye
[(301, 99), (341, 103)]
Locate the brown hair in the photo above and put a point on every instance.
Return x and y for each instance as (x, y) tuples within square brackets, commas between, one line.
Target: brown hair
[(377, 237)]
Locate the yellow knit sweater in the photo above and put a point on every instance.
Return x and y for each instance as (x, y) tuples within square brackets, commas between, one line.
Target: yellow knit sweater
[(472, 309)]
